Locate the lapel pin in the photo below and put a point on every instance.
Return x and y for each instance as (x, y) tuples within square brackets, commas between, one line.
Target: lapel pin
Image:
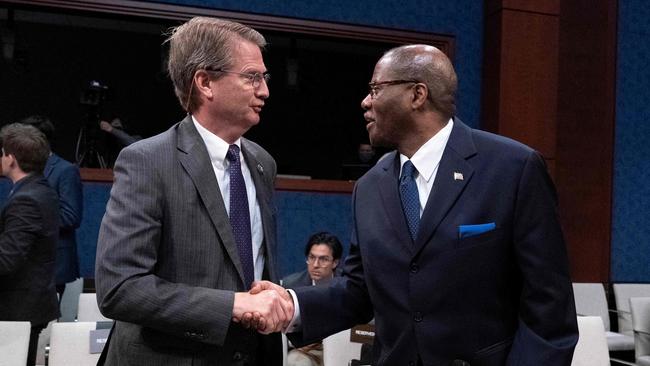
[(458, 176), (260, 169)]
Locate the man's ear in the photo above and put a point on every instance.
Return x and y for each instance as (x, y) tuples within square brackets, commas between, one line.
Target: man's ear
[(202, 82), (420, 95), (336, 263)]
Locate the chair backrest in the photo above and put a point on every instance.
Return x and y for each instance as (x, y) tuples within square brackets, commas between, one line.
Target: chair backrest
[(338, 350), (623, 292), (70, 300), (70, 344), (591, 349), (89, 310), (640, 308), (591, 300), (14, 343)]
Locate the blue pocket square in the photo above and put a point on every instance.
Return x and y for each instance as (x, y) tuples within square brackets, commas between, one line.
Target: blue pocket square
[(465, 231)]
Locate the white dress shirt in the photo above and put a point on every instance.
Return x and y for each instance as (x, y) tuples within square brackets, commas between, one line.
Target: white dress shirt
[(426, 161), (217, 150)]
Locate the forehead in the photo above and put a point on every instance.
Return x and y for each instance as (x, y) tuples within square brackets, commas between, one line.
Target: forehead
[(320, 249), (382, 69), (247, 55)]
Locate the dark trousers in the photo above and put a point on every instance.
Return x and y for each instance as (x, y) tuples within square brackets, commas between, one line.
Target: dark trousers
[(33, 343)]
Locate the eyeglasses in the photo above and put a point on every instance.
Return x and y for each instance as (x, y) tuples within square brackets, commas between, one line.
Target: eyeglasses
[(312, 259), (255, 77), (375, 87)]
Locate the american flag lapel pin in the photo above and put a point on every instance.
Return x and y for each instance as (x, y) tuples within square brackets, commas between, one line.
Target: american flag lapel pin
[(458, 176)]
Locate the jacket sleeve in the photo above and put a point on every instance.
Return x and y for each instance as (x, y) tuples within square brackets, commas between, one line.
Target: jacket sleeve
[(70, 198), (22, 225), (548, 331)]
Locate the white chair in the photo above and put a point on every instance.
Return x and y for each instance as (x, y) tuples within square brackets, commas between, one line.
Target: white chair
[(623, 292), (338, 350), (14, 343), (70, 300), (640, 308), (591, 349), (44, 343), (591, 300), (88, 310), (70, 344)]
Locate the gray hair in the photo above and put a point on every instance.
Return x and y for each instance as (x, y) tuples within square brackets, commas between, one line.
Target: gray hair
[(430, 66), (203, 43)]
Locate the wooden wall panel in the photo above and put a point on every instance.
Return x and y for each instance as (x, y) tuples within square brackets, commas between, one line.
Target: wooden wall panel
[(585, 135)]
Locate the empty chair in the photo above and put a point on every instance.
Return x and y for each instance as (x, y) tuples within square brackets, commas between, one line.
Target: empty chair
[(623, 292), (88, 310), (338, 350), (591, 349), (70, 300), (70, 344), (591, 300), (14, 343), (640, 309)]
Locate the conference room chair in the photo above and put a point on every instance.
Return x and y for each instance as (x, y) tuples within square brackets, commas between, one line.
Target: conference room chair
[(591, 300), (640, 309), (623, 292), (339, 351), (70, 300), (591, 349), (88, 310), (14, 343), (70, 344)]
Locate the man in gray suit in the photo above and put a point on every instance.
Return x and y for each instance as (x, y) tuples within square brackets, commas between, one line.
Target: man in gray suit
[(190, 223)]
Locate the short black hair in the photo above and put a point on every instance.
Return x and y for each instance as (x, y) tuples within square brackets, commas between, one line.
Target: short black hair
[(42, 123), (27, 144), (328, 239)]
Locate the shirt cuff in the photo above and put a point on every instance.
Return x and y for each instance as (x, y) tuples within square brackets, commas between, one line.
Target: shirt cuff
[(294, 324)]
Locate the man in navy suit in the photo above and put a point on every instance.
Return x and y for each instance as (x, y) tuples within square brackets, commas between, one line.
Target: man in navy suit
[(456, 247), (29, 226), (65, 179)]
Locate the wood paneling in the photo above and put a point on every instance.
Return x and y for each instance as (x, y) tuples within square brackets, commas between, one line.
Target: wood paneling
[(585, 134), (549, 82)]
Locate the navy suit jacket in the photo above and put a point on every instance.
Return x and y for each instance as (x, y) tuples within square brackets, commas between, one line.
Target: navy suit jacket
[(28, 232), (64, 178), (501, 297)]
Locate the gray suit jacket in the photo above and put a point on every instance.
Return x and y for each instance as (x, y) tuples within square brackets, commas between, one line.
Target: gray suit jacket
[(167, 263)]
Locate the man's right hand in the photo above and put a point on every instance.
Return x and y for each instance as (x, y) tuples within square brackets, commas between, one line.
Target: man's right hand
[(267, 308)]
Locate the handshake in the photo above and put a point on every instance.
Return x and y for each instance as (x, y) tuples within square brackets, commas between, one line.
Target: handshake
[(267, 307)]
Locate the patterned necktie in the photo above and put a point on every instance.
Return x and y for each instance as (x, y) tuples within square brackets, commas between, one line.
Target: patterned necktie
[(239, 214), (410, 197)]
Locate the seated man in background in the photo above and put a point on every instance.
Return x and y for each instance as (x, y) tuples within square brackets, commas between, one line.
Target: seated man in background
[(29, 228), (322, 252)]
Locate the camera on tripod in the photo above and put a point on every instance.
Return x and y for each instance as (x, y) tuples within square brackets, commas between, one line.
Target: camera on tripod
[(89, 153), (94, 95)]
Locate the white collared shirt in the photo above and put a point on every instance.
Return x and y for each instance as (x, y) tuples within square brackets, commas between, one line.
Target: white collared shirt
[(426, 161), (217, 150)]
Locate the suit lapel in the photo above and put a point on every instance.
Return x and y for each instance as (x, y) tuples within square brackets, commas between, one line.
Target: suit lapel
[(454, 173), (389, 191), (195, 160)]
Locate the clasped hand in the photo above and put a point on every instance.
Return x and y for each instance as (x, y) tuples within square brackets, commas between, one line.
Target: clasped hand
[(267, 307)]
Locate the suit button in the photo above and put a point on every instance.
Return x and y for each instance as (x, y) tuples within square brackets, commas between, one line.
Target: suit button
[(188, 334), (414, 268), (411, 363), (236, 356), (417, 316)]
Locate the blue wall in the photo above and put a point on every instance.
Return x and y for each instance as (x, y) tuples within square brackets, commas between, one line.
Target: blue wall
[(631, 198), (462, 19)]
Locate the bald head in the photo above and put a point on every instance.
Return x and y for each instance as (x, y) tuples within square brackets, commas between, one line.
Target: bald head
[(427, 65)]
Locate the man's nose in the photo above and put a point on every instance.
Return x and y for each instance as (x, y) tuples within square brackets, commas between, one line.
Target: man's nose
[(366, 102)]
